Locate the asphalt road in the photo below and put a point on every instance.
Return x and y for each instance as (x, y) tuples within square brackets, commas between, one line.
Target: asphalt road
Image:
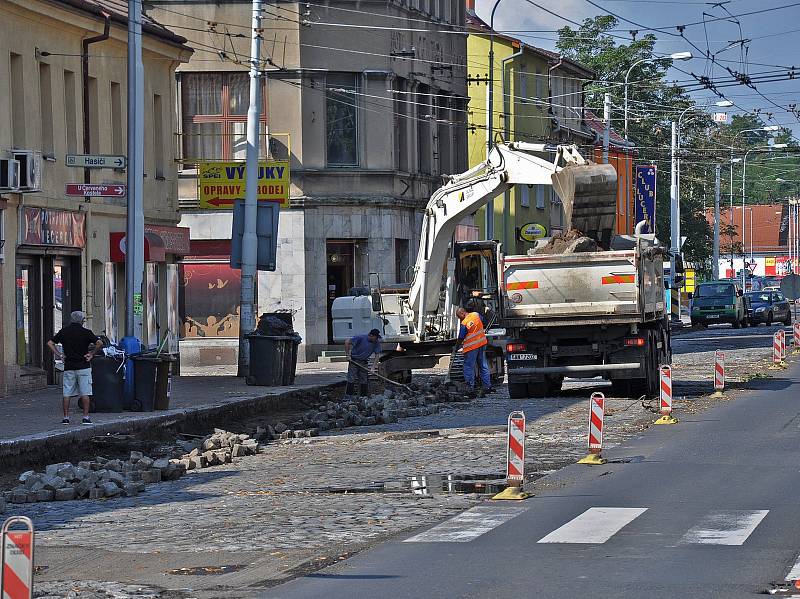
[(706, 508)]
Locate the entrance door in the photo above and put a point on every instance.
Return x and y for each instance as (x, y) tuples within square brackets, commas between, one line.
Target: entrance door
[(341, 272), (57, 288), (28, 312)]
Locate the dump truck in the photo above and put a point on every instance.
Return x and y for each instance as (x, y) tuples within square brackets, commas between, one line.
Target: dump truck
[(579, 313)]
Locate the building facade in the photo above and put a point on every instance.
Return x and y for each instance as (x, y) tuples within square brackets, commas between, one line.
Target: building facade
[(63, 74), (368, 106)]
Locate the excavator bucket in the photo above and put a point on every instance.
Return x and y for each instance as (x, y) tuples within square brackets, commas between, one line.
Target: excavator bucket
[(588, 193)]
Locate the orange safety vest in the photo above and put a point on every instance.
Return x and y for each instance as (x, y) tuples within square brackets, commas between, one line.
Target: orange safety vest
[(475, 335)]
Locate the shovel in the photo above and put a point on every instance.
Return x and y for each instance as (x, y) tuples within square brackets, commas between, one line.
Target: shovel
[(380, 376)]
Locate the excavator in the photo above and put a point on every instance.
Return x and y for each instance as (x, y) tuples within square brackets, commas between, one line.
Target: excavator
[(418, 321)]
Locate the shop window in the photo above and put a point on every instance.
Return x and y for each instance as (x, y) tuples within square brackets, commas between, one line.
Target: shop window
[(26, 320), (214, 113), (341, 119), (401, 258), (209, 300)]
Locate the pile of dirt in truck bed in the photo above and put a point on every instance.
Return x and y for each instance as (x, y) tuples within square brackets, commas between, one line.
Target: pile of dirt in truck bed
[(568, 242)]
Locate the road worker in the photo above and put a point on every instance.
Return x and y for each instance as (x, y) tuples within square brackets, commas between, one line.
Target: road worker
[(472, 339)]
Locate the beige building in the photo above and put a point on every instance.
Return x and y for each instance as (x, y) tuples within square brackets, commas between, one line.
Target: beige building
[(62, 253), (367, 103)]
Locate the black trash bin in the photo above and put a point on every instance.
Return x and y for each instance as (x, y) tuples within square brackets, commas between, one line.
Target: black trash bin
[(290, 359), (268, 359), (163, 369), (145, 369), (107, 384)]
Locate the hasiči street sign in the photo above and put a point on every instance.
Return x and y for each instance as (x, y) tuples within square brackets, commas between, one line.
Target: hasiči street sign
[(220, 184), (96, 161)]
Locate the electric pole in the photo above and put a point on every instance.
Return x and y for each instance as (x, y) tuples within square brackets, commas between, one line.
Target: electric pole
[(715, 265), (247, 320)]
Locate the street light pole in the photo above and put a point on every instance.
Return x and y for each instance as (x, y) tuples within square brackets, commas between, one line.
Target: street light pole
[(675, 214), (490, 116), (715, 265)]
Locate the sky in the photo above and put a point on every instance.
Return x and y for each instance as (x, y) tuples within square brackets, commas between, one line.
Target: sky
[(772, 47)]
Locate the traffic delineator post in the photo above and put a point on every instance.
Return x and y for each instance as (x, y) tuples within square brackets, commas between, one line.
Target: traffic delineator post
[(719, 373), (796, 335), (597, 410), (515, 459), (776, 352), (16, 549), (665, 408), (782, 333)]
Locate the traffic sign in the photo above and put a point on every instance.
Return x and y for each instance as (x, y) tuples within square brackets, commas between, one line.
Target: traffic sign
[(96, 161), (790, 286), (87, 190)]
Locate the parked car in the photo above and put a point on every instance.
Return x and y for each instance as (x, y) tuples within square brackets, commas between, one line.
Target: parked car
[(718, 302), (768, 307)]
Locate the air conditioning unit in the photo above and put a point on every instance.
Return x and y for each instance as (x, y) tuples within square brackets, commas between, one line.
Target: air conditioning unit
[(9, 174), (30, 170)]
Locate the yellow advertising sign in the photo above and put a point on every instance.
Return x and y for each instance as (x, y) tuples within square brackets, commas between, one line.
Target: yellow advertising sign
[(219, 184), (689, 281)]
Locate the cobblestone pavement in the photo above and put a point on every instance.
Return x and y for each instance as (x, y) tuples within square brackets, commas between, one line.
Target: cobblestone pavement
[(301, 504)]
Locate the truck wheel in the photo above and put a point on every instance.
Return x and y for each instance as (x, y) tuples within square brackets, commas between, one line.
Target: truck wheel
[(517, 390), (620, 388)]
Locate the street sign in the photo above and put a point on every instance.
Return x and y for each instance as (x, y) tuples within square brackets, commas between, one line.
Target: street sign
[(87, 190), (220, 184), (96, 161), (645, 197), (720, 117), (790, 286)]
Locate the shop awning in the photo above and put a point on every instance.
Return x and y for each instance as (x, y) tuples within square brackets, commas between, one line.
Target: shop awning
[(159, 241)]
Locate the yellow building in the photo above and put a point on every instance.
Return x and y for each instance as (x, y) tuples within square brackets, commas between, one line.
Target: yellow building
[(525, 109), (59, 252)]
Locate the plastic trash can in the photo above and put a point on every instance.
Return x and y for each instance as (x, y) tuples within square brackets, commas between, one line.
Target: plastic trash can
[(108, 376), (144, 383), (290, 359), (268, 359), (163, 370)]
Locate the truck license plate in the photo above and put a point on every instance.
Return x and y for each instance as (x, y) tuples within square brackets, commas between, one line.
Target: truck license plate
[(521, 356), (712, 316)]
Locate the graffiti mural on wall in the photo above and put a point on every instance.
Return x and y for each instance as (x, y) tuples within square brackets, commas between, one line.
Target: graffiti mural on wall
[(209, 300)]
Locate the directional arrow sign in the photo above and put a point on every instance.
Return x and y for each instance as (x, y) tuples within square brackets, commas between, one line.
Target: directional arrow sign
[(96, 161), (85, 190)]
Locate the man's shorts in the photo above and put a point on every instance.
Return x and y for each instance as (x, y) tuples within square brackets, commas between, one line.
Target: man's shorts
[(77, 382)]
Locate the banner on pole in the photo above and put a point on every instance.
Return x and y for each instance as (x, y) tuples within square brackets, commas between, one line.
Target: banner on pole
[(645, 197), (220, 184)]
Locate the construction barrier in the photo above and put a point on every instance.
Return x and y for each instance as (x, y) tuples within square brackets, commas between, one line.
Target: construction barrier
[(776, 351), (16, 581), (796, 330), (597, 409), (782, 334), (665, 408), (515, 458), (719, 372)]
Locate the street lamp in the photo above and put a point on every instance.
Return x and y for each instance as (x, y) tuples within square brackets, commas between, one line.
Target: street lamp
[(673, 56), (744, 175)]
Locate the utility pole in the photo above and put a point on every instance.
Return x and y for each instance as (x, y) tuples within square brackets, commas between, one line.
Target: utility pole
[(607, 129), (247, 320), (715, 265), (675, 212)]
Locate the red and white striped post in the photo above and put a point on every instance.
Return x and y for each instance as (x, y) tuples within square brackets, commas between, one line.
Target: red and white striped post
[(719, 372), (17, 559), (665, 408), (782, 333), (796, 330), (597, 410), (515, 460), (776, 350)]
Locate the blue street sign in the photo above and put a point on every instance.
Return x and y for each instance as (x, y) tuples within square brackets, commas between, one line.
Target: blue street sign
[(645, 197)]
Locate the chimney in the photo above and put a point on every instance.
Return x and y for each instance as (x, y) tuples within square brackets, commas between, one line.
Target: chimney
[(471, 6)]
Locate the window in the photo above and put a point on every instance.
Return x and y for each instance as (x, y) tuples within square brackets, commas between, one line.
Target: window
[(540, 197), (117, 141), (214, 111), (401, 260), (71, 113), (158, 136), (94, 116), (525, 196), (17, 94), (341, 119), (523, 84), (539, 84), (46, 107), (424, 150)]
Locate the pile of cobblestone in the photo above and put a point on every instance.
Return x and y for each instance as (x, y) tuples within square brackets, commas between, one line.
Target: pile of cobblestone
[(93, 479), (216, 449), (386, 408)]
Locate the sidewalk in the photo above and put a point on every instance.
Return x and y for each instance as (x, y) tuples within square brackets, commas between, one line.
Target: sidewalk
[(32, 421)]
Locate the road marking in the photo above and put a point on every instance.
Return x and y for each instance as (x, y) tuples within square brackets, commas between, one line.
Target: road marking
[(794, 573), (730, 527), (595, 525), (468, 525)]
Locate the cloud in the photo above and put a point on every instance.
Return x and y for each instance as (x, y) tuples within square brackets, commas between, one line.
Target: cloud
[(518, 14)]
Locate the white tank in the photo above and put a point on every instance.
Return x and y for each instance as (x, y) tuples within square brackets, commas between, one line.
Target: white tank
[(353, 316)]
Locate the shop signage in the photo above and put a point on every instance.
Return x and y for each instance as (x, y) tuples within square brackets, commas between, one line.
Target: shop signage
[(96, 161), (159, 240), (53, 228), (220, 184), (645, 197), (85, 190), (532, 231)]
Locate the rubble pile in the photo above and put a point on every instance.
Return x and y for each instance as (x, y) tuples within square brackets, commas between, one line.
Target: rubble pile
[(391, 405), (568, 242), (93, 479), (218, 448)]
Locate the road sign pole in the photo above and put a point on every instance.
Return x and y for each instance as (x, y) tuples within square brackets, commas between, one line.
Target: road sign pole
[(134, 229), (247, 321), (715, 263)]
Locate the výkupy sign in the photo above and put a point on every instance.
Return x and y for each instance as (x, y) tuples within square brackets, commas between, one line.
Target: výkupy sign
[(220, 184)]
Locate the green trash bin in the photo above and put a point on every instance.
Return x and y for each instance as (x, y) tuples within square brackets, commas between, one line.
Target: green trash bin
[(268, 360)]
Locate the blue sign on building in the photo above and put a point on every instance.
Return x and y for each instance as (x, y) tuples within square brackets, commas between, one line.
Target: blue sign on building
[(645, 196)]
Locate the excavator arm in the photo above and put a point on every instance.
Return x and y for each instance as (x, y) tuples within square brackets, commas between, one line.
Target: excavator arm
[(588, 192)]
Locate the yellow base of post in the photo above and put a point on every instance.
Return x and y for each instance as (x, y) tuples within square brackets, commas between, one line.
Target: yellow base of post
[(593, 459), (667, 419), (717, 394), (511, 494), (774, 367)]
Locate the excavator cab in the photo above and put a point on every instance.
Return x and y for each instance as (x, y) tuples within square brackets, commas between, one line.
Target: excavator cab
[(477, 277)]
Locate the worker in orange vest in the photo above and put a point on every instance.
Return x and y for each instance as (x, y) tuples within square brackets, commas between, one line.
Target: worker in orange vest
[(473, 341)]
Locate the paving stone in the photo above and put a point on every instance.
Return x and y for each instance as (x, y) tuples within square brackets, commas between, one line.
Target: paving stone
[(26, 475), (151, 476), (45, 495), (146, 462), (161, 463), (65, 494), (136, 456), (110, 489), (82, 488), (19, 497), (96, 493)]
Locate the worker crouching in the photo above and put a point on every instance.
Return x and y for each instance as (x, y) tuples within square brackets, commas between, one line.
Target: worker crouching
[(359, 350), (472, 338)]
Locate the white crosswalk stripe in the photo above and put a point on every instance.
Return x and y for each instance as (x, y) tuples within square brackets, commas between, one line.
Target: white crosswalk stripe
[(794, 573), (468, 525), (595, 525), (726, 527)]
